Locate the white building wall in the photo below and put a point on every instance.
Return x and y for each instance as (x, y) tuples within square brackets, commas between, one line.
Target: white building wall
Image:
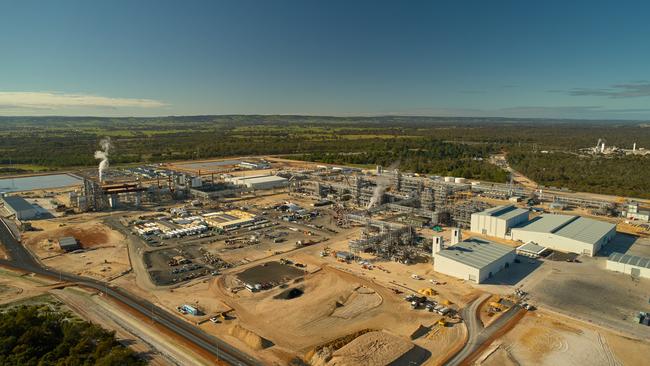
[(496, 266), (266, 185), (495, 226), (560, 243), (455, 269), (627, 269)]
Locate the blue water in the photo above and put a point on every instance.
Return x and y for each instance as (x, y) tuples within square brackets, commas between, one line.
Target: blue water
[(38, 182)]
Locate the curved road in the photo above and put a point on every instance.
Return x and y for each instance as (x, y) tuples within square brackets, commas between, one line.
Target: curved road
[(477, 334), (22, 259)]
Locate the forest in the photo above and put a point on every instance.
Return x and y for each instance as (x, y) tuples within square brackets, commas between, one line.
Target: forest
[(429, 157), (38, 336), (623, 175), (431, 145)]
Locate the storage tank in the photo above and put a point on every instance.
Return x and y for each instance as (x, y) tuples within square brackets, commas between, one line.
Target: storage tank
[(460, 180), (449, 179)]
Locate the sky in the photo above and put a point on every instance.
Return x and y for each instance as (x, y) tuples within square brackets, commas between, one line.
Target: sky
[(548, 59)]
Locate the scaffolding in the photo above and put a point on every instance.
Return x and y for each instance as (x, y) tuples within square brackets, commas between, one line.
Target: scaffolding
[(388, 242)]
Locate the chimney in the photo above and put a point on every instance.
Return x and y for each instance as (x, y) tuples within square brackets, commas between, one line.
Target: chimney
[(455, 236), (634, 147), (438, 244)]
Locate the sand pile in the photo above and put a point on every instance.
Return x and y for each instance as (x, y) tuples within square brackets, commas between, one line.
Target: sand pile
[(371, 349), (251, 339), (360, 300)]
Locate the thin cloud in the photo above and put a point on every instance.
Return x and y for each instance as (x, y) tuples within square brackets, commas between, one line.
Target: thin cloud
[(628, 90), (49, 100)]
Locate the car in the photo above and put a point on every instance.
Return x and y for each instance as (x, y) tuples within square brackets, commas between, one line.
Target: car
[(215, 319)]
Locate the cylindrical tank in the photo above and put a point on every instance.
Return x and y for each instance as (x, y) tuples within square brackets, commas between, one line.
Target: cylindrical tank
[(449, 179), (460, 180)]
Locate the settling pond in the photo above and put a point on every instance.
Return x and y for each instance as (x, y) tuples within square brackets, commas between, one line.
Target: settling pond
[(38, 182)]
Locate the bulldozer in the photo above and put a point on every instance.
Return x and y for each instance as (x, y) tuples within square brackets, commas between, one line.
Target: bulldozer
[(427, 291), (497, 306)]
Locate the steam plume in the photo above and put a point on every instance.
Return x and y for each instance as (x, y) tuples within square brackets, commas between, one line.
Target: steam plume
[(102, 155), (378, 193), (383, 183)]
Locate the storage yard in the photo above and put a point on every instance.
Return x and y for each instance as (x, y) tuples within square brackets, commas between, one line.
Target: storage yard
[(337, 265)]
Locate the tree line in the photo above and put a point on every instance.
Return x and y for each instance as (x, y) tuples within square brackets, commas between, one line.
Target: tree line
[(38, 336)]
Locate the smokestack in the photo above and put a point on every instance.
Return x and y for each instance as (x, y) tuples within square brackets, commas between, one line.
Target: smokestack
[(455, 236), (602, 148), (102, 155), (634, 147), (438, 244)]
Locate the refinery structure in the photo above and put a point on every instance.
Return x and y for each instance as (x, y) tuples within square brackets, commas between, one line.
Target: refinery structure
[(279, 253)]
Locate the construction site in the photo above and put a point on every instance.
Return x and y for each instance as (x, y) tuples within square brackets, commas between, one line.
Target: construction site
[(334, 265)]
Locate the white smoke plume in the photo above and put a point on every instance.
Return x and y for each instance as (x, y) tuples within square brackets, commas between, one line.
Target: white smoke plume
[(102, 155), (383, 182), (378, 193)]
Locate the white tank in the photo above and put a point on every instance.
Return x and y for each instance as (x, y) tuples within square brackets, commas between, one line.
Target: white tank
[(460, 180), (449, 179)]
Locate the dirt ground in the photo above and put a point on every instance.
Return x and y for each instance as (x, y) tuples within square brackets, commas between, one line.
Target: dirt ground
[(88, 306), (16, 286), (546, 339), (580, 291), (338, 304), (104, 256), (373, 349)]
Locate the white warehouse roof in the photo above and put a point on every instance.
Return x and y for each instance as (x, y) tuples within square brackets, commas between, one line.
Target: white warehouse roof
[(573, 227), (266, 179), (628, 259), (504, 212), (475, 252)]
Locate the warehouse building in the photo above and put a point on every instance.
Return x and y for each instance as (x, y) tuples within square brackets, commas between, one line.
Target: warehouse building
[(531, 250), (473, 259), (566, 233), (254, 165), (229, 220), (629, 264), (263, 181), (498, 221), (19, 207), (69, 244), (633, 212), (267, 182)]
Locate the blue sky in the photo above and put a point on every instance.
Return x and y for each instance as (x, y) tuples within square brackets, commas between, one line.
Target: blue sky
[(572, 59)]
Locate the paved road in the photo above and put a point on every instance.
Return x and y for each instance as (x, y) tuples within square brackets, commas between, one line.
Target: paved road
[(477, 334), (22, 259)]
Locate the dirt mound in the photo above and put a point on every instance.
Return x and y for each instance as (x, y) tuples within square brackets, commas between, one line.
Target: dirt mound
[(360, 300), (88, 237), (251, 339), (372, 349)]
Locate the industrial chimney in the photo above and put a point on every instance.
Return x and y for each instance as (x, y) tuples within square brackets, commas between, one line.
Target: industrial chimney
[(455, 236), (438, 244)]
